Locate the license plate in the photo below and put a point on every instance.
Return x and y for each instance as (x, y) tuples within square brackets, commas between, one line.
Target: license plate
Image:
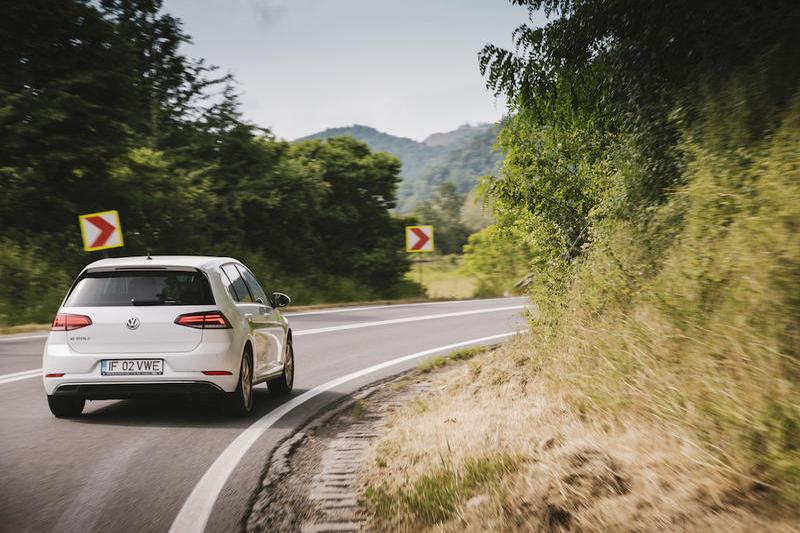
[(132, 367)]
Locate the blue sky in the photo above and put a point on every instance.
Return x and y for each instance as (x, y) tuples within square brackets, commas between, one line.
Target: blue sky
[(406, 67)]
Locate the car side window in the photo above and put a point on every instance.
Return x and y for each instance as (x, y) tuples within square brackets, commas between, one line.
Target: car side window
[(254, 285), (229, 286), (239, 287)]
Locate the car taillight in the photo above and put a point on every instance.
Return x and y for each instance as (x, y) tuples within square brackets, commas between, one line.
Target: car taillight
[(204, 320), (68, 322)]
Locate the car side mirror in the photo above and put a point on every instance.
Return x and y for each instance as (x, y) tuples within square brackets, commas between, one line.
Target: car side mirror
[(281, 300)]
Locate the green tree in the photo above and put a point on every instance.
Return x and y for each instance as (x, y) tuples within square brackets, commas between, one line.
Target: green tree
[(64, 111), (443, 211), (100, 110), (635, 69), (354, 235), (498, 259)]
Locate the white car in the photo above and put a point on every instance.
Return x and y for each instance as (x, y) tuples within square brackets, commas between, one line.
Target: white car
[(150, 326)]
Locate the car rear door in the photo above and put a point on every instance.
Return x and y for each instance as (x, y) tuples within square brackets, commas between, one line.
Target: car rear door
[(273, 327), (251, 310)]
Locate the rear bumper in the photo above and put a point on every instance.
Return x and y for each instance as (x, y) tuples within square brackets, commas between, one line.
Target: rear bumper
[(181, 370), (120, 391)]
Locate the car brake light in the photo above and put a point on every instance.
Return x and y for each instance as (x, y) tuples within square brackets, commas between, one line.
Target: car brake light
[(68, 322), (204, 320)]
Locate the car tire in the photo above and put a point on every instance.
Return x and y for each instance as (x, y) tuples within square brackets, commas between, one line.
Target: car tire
[(240, 402), (65, 406), (283, 383)]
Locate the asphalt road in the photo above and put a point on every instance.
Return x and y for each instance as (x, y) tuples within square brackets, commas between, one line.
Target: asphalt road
[(135, 465)]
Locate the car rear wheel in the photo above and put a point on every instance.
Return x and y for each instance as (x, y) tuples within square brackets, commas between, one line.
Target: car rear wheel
[(65, 406), (240, 402), (283, 383)]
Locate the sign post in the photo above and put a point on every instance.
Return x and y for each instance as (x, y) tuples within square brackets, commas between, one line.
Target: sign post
[(101, 231), (419, 239)]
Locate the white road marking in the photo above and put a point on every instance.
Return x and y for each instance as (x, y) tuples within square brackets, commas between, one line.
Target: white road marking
[(4, 338), (193, 516), (393, 306), (3, 376), (10, 338), (8, 378), (403, 320)]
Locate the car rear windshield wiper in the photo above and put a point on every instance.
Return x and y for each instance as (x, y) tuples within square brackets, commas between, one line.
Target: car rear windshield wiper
[(154, 301)]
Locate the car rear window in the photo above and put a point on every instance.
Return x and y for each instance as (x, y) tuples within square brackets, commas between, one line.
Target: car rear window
[(126, 288)]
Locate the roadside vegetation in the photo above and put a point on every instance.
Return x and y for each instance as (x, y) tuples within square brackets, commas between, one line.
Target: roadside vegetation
[(506, 448), (650, 184), (470, 260)]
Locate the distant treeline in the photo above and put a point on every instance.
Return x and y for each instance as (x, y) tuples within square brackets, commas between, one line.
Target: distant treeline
[(100, 109)]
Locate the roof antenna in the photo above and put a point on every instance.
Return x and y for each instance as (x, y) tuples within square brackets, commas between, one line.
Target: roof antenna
[(148, 256)]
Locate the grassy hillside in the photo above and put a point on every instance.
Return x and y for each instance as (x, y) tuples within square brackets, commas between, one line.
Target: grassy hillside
[(444, 277), (651, 183), (665, 395), (461, 134), (468, 158), (415, 156)]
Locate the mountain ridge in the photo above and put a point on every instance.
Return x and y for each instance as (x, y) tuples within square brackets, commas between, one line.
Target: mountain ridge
[(460, 156)]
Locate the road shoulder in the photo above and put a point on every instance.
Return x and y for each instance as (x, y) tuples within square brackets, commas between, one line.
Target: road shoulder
[(311, 481), (475, 442)]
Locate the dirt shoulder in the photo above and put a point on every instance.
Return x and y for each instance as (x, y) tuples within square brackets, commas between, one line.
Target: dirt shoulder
[(475, 442), (311, 482)]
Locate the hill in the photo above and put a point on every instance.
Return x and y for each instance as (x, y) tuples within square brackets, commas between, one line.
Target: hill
[(462, 133), (459, 156)]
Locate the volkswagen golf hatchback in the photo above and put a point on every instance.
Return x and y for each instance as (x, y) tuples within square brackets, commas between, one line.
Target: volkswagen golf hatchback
[(150, 326)]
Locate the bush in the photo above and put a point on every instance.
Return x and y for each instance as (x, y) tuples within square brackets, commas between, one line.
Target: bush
[(699, 329), (497, 258), (31, 289)]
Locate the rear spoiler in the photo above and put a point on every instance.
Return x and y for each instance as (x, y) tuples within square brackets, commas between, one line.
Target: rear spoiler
[(178, 268)]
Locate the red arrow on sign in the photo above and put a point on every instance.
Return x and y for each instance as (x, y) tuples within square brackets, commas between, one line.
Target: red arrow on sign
[(422, 236), (106, 230)]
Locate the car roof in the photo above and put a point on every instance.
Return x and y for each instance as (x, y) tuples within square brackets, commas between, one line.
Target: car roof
[(191, 261)]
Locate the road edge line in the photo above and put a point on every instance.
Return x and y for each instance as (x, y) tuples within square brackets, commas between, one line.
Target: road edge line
[(345, 309), (405, 320), (12, 337), (17, 376), (196, 510)]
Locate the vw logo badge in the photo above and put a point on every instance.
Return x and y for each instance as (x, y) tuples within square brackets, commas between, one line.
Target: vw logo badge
[(132, 323)]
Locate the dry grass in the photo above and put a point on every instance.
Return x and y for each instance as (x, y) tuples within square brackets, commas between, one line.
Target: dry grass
[(659, 388), (433, 363), (550, 467), (443, 278)]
